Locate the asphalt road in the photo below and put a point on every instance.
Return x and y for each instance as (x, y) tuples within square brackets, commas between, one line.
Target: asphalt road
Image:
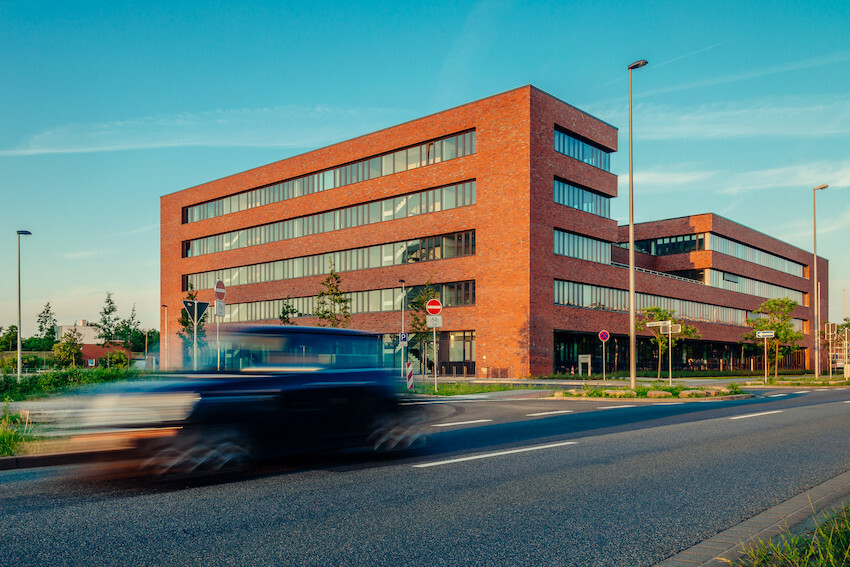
[(599, 483)]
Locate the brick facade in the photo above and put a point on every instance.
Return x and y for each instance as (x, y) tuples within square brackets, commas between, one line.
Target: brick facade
[(514, 267)]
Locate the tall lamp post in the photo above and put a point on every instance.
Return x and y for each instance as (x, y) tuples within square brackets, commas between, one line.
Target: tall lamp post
[(20, 233), (632, 337), (816, 287), (165, 338)]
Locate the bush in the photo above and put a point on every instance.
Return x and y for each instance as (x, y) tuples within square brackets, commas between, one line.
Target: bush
[(14, 430), (57, 381)]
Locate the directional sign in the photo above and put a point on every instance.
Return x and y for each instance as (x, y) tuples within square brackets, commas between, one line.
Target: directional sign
[(675, 329), (765, 334), (656, 323), (195, 309), (604, 336), (219, 290), (434, 307)]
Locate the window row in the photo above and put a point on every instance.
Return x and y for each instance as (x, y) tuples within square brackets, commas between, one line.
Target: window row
[(423, 202), (394, 254), (574, 294), (447, 148), (453, 294), (742, 284), (582, 199), (754, 255), (582, 151), (670, 244), (582, 247)]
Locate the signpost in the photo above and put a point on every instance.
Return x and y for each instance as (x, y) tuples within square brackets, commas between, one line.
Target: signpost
[(196, 310), (603, 336), (667, 328), (434, 320), (219, 314), (765, 335)]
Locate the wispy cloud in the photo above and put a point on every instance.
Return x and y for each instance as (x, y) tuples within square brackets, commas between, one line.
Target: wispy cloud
[(82, 254), (819, 61), (675, 178), (791, 117), (148, 228), (279, 127)]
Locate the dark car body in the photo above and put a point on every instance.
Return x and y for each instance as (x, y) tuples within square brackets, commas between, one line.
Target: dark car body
[(269, 390)]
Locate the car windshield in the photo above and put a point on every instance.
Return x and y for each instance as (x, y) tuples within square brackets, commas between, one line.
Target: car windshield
[(246, 351)]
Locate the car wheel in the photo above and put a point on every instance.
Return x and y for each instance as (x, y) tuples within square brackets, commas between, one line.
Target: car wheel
[(394, 432), (201, 450)]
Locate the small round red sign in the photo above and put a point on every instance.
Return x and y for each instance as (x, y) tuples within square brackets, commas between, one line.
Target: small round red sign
[(219, 290), (434, 307), (603, 336)]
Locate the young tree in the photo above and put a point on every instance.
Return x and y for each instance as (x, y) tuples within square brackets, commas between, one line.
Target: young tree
[(287, 312), (333, 307), (186, 332), (69, 350), (108, 323), (9, 338), (660, 339), (128, 332), (777, 319), (46, 327), (420, 333)]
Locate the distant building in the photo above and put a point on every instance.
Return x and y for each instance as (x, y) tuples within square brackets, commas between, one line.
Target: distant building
[(502, 204), (88, 333)]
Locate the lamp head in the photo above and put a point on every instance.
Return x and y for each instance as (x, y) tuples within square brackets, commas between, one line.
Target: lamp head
[(24, 233), (638, 64), (820, 187)]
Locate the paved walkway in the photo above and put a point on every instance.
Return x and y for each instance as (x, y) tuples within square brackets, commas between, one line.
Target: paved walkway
[(796, 515)]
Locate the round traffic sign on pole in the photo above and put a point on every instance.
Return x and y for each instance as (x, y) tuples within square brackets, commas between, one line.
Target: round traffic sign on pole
[(434, 307), (219, 290), (604, 336)]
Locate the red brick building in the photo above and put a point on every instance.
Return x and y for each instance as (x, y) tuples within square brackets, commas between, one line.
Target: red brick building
[(502, 204)]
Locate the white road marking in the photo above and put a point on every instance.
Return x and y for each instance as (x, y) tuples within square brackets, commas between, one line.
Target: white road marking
[(461, 423), (755, 414), (803, 392), (615, 407), (669, 404), (496, 454), (777, 395), (548, 413)]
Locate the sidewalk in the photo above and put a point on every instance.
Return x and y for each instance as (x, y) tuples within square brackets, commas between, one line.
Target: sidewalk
[(796, 515)]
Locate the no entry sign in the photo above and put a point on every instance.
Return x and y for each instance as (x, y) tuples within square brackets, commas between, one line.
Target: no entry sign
[(434, 307), (219, 290)]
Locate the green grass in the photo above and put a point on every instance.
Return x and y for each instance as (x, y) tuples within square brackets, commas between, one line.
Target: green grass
[(57, 381), (15, 429), (462, 388), (827, 546)]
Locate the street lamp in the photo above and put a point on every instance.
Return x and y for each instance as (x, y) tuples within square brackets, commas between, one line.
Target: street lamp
[(403, 308), (632, 337), (164, 337), (20, 233), (816, 287)]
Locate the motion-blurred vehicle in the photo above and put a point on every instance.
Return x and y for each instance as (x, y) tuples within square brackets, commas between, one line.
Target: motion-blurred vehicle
[(269, 391)]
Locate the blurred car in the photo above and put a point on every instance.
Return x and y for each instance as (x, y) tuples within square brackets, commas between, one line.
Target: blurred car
[(268, 391)]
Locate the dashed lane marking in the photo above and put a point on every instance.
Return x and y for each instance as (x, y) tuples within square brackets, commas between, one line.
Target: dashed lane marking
[(615, 407), (755, 414), (461, 423), (496, 454), (548, 413)]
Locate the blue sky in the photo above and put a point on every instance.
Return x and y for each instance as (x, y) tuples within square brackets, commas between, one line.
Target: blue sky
[(106, 106)]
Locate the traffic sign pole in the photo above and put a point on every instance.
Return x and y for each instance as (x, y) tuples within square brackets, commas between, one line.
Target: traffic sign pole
[(603, 336), (220, 291)]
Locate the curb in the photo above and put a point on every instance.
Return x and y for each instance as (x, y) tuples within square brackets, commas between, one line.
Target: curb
[(729, 544)]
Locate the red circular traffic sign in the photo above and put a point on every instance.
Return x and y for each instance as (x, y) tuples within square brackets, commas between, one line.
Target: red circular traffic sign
[(219, 290), (434, 307), (604, 336)]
